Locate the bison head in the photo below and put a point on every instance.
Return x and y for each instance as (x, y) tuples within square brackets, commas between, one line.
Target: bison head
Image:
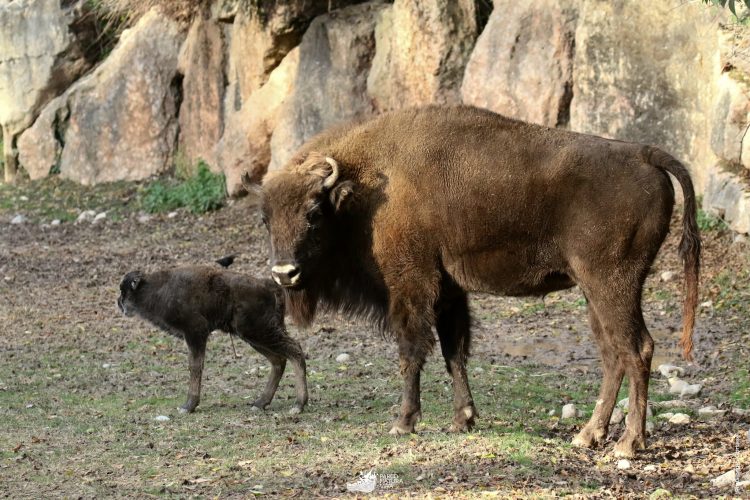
[(299, 206)]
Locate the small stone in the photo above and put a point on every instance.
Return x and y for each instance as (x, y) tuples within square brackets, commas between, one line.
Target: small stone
[(342, 358), (568, 411), (711, 411), (144, 218), (551, 413), (623, 403), (23, 198), (649, 427), (739, 239), (668, 371), (98, 217), (56, 222), (680, 419), (726, 479), (86, 215), (18, 219), (478, 369), (171, 215), (650, 468), (106, 365), (740, 411), (161, 418), (30, 405), (623, 464), (668, 276), (666, 415), (617, 416), (706, 305)]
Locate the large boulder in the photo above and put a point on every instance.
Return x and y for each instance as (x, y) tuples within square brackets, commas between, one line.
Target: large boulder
[(726, 196), (522, 65), (731, 119), (42, 50), (262, 34), (331, 84), (245, 146), (201, 62), (120, 121), (642, 74), (421, 51)]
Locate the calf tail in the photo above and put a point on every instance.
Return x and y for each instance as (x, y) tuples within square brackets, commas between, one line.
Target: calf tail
[(690, 244)]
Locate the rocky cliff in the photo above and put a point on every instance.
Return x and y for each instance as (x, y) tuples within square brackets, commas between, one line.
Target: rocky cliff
[(243, 83)]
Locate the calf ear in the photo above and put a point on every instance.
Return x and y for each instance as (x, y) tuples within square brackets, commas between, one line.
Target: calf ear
[(340, 193)]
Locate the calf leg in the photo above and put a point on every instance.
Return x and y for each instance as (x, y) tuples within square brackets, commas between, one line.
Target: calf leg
[(278, 364), (196, 356), (595, 431), (453, 328), (278, 348)]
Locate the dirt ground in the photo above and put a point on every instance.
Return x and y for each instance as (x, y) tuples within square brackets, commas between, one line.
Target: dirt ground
[(81, 385)]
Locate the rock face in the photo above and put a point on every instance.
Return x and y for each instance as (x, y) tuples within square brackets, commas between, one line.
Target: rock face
[(262, 34), (522, 65), (421, 51), (41, 53), (201, 62), (245, 145), (119, 122), (726, 195), (641, 74), (331, 84), (731, 117)]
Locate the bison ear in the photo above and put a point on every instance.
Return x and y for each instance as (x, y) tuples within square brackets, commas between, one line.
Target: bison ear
[(340, 193)]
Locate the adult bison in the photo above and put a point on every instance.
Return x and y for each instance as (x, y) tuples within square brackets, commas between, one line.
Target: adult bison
[(399, 217)]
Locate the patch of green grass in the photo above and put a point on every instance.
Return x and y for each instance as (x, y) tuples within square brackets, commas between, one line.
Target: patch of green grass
[(741, 392), (729, 289), (199, 193), (56, 198), (710, 222)]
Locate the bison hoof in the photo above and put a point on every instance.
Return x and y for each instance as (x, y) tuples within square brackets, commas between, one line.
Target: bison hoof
[(627, 446), (399, 429), (589, 438), (464, 419), (187, 408)]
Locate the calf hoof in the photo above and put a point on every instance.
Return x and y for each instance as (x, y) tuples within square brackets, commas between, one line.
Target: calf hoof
[(589, 437), (463, 420)]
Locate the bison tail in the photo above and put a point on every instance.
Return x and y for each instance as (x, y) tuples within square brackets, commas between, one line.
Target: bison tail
[(690, 244)]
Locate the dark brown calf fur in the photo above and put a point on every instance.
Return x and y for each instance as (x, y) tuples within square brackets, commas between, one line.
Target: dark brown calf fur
[(399, 217), (191, 302)]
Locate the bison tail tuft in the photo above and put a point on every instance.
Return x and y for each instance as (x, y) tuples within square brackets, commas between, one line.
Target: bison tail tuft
[(690, 244)]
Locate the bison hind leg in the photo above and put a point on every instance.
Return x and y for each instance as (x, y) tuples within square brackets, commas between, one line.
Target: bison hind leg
[(454, 331)]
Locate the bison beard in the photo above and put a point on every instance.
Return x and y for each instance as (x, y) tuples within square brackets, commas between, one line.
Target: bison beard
[(399, 217)]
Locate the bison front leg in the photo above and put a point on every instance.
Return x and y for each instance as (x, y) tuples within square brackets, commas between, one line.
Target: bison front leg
[(196, 357), (415, 342), (453, 328)]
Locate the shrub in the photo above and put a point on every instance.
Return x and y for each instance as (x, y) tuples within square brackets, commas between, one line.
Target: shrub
[(200, 193)]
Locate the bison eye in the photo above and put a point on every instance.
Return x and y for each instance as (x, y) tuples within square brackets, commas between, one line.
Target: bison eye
[(313, 214)]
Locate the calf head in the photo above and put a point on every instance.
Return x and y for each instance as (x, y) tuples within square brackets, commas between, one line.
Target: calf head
[(300, 205), (129, 291)]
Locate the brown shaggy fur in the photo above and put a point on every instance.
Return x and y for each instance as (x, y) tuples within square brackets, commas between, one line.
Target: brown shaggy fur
[(191, 302), (431, 203)]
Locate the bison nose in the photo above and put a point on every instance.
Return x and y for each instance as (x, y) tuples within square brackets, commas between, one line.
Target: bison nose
[(287, 275)]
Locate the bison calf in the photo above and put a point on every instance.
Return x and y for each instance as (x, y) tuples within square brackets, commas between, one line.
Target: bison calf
[(191, 302)]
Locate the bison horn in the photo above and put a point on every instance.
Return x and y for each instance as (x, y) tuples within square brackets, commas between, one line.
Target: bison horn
[(333, 177)]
